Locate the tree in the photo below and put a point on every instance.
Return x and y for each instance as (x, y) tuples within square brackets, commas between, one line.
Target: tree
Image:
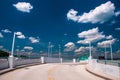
[(3, 54)]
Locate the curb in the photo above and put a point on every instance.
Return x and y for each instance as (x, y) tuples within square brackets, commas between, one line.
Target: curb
[(19, 67), (100, 74)]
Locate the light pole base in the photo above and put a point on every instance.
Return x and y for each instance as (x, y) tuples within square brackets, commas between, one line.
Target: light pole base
[(90, 57), (11, 62), (61, 60), (74, 60), (42, 60)]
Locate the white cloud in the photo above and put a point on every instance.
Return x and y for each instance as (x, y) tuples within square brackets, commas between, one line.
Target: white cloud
[(1, 36), (17, 50), (34, 40), (88, 33), (22, 50), (20, 35), (91, 35), (100, 14), (28, 48), (113, 22), (80, 50), (84, 49), (65, 34), (72, 14), (109, 37), (117, 28), (106, 43), (1, 47), (23, 6), (70, 46), (117, 13), (6, 31)]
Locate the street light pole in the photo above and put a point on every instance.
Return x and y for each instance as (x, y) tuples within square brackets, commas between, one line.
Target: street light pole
[(11, 57), (59, 52), (13, 43), (105, 52), (49, 49), (90, 56), (51, 46), (111, 51)]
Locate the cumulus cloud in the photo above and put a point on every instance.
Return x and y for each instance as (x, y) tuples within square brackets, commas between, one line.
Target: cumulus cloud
[(34, 40), (80, 50), (70, 46), (109, 37), (100, 14), (72, 15), (6, 31), (20, 35), (91, 35), (23, 6), (1, 47), (106, 43), (117, 13), (65, 34), (117, 28), (28, 48), (1, 36), (84, 49)]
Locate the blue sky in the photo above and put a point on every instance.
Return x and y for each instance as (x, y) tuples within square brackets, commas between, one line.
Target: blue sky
[(70, 23)]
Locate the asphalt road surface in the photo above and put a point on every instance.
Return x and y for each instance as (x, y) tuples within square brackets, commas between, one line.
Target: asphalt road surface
[(51, 72)]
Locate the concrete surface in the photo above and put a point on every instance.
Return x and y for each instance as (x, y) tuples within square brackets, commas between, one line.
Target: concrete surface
[(18, 67), (105, 68), (51, 72), (100, 73)]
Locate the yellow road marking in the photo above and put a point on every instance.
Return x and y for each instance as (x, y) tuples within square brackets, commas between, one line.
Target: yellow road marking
[(50, 77)]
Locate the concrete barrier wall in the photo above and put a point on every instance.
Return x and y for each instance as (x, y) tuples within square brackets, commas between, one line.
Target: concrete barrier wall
[(25, 62), (108, 69), (52, 60), (4, 64), (18, 62)]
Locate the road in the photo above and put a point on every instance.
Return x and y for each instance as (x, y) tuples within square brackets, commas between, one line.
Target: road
[(51, 72)]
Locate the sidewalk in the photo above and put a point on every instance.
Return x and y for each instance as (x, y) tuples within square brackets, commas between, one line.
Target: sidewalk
[(100, 74)]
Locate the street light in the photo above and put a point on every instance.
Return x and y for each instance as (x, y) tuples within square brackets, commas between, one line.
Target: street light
[(13, 43), (111, 51), (105, 52), (49, 49), (59, 51), (90, 56), (11, 57), (51, 46)]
